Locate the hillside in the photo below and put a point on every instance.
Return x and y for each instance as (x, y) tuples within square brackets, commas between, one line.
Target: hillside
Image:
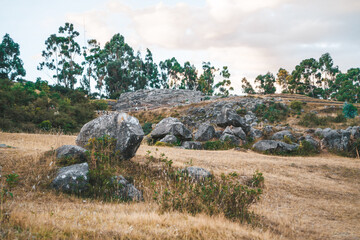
[(304, 198)]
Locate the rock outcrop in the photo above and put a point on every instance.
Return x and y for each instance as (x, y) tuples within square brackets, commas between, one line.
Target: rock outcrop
[(272, 146), (171, 126), (205, 132), (150, 99), (124, 128)]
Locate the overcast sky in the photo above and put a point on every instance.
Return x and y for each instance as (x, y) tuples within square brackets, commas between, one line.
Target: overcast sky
[(251, 37)]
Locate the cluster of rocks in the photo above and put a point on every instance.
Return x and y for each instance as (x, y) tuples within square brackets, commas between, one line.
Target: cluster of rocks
[(151, 99), (128, 134)]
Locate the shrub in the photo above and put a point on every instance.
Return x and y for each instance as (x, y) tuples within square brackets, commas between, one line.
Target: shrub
[(305, 149), (100, 104), (241, 111), (147, 128), (313, 120), (214, 195), (349, 110), (163, 144), (296, 105), (273, 112), (340, 117), (218, 145), (102, 156), (45, 125)]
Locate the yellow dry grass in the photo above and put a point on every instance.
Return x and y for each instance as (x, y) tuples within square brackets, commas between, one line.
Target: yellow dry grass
[(304, 198)]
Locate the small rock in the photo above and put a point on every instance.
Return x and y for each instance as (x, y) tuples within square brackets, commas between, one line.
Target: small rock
[(198, 173), (71, 151), (127, 191), (192, 145), (169, 139), (72, 179)]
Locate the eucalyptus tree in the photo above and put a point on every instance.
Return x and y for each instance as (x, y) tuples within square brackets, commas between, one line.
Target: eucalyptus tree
[(224, 86), (206, 79), (11, 66), (247, 87), (60, 54), (266, 83)]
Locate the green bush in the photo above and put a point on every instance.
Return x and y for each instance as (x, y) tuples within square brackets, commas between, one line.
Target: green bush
[(218, 145), (100, 104), (349, 110), (305, 149), (241, 111), (296, 105), (214, 195), (313, 120), (273, 112), (147, 128), (340, 117), (45, 125)]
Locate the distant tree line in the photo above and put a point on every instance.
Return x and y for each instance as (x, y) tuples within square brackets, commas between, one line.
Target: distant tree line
[(314, 78), (116, 68)]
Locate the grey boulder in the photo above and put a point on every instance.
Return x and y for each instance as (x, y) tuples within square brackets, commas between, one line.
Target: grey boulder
[(228, 117), (171, 126), (272, 146), (169, 139), (192, 145), (205, 132), (127, 191), (197, 173), (124, 128), (230, 137), (280, 135), (335, 140), (355, 131), (72, 179), (71, 151), (311, 140), (255, 133)]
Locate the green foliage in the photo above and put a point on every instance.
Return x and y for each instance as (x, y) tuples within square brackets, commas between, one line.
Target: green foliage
[(147, 128), (214, 195), (313, 120), (305, 149), (7, 183), (296, 105), (273, 112), (266, 83), (32, 106), (349, 110), (59, 56), (11, 66), (241, 111), (163, 144), (246, 87), (102, 156), (100, 104), (218, 145), (45, 125)]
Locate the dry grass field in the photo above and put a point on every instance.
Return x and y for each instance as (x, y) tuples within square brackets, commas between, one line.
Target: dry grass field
[(304, 198)]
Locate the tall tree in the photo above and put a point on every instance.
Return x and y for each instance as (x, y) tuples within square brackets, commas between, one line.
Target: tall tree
[(206, 80), (151, 71), (266, 83), (11, 66), (61, 51), (283, 77), (246, 86), (347, 86), (224, 86), (189, 79), (305, 78), (171, 72)]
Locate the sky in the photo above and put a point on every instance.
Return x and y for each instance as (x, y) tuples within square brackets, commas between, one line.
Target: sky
[(251, 37)]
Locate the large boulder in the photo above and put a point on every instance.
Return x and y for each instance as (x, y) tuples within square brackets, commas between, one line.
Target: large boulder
[(192, 145), (124, 128), (355, 131), (127, 191), (72, 179), (272, 146), (337, 140), (236, 131), (171, 126), (228, 117), (71, 151), (280, 135), (315, 144), (255, 133), (197, 173), (205, 132), (169, 139), (230, 137)]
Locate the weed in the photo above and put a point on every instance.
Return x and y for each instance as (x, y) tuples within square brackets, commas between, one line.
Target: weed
[(296, 106), (218, 145), (147, 128)]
